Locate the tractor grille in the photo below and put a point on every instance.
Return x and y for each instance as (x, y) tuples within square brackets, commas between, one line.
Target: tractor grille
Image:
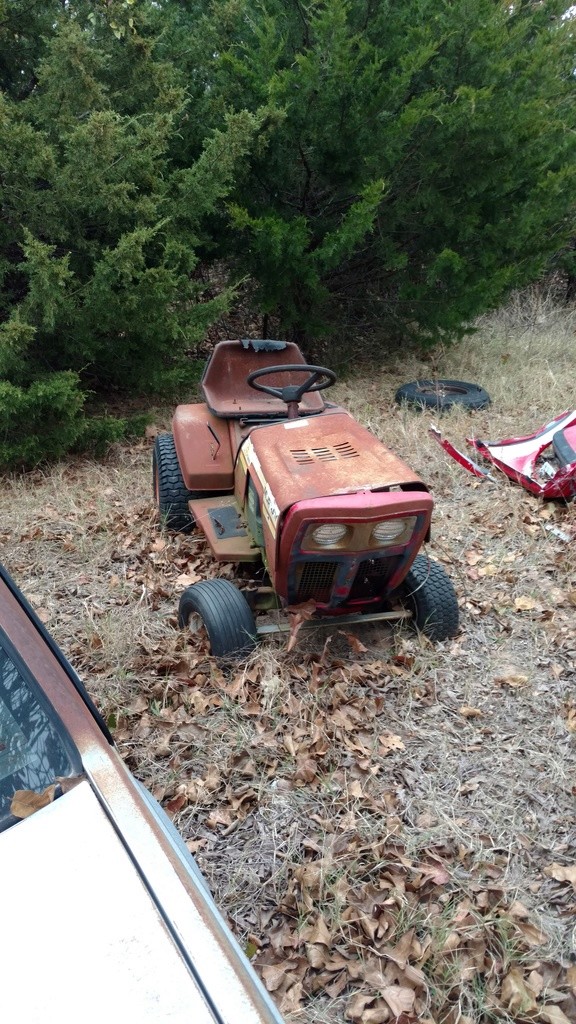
[(315, 580), (371, 578), (343, 450)]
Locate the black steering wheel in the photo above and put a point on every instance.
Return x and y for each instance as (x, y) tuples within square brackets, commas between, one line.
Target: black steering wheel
[(320, 378)]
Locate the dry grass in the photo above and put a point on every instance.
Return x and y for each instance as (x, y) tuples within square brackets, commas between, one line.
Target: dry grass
[(278, 765)]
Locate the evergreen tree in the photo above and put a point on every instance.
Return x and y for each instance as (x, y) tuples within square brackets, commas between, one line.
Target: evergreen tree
[(412, 161), (420, 160), (98, 226)]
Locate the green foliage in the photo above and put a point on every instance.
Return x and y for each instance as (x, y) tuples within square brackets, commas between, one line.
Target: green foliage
[(99, 432), (409, 163), (420, 162), (40, 422), (99, 225)]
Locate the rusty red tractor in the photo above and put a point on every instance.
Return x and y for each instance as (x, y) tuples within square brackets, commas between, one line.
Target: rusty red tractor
[(324, 514)]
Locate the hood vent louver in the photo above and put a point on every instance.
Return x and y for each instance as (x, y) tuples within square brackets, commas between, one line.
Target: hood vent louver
[(331, 453)]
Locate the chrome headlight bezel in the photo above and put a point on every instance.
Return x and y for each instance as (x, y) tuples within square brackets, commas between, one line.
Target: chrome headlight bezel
[(391, 532), (328, 535)]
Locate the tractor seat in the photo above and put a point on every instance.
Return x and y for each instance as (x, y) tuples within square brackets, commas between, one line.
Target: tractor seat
[(564, 445), (224, 386)]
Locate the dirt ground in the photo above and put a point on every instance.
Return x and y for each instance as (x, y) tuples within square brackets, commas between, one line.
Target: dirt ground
[(389, 825)]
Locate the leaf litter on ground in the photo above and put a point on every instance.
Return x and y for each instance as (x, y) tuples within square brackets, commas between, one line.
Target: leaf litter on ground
[(388, 825)]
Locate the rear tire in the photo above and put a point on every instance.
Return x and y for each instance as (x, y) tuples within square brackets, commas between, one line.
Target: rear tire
[(429, 593), (171, 494), (225, 613)]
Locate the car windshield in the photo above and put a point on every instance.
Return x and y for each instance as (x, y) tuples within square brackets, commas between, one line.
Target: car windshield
[(35, 749)]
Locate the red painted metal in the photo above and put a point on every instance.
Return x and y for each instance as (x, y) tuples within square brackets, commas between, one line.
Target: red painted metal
[(315, 459), (293, 473), (228, 394), (361, 510), (204, 449), (524, 459), (326, 455), (460, 457)]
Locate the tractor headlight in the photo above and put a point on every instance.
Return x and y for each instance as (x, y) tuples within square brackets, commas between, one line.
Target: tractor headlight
[(329, 534), (393, 531)]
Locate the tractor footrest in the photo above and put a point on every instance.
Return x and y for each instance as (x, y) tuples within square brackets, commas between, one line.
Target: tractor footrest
[(221, 522)]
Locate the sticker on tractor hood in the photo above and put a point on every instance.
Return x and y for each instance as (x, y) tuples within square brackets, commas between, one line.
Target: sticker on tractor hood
[(270, 509), (293, 424)]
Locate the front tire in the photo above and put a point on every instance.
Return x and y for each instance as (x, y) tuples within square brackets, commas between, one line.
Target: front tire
[(171, 494), (429, 593), (224, 612)]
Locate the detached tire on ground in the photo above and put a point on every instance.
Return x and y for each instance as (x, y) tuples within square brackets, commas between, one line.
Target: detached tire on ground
[(170, 492), (443, 394), (429, 593), (224, 611)]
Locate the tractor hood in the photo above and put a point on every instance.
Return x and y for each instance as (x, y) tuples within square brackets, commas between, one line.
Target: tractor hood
[(323, 455)]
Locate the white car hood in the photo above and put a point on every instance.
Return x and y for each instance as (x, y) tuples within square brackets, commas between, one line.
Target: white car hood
[(82, 939)]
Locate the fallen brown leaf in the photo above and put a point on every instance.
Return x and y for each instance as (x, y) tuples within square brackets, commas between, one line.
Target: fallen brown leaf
[(356, 645), (571, 719), (177, 802), (389, 742), (274, 975), (298, 614), (515, 995), (437, 873), (511, 676), (399, 999), (473, 557), (489, 570), (364, 1007), (535, 982), (26, 801), (318, 933), (306, 769), (531, 933), (525, 604), (562, 873), (186, 579), (552, 1014)]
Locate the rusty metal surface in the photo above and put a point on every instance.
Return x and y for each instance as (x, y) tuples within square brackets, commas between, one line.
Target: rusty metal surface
[(227, 393), (185, 906), (237, 548), (331, 621), (325, 455), (204, 450)]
